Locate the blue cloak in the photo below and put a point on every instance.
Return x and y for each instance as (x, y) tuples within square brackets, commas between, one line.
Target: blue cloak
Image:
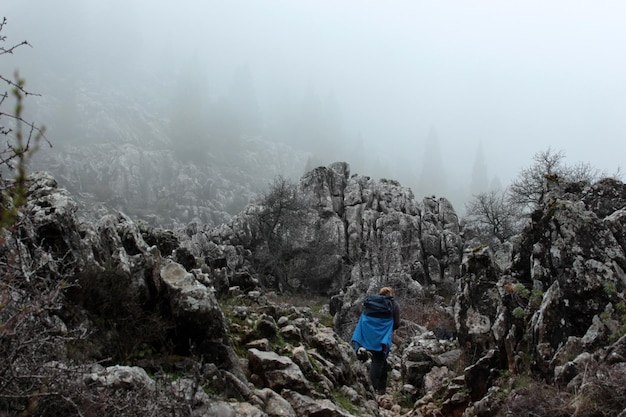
[(372, 333)]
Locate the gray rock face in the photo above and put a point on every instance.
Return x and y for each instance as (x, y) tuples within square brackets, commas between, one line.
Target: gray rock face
[(307, 406), (555, 298), (425, 362), (479, 303), (579, 264), (199, 333), (119, 377), (370, 233), (392, 239), (116, 243), (275, 405), (605, 197), (52, 230), (278, 372), (566, 276), (198, 316), (147, 181)]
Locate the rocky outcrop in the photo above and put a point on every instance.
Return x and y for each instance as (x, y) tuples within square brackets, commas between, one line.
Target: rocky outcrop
[(198, 317), (428, 363), (554, 309), (292, 364), (364, 234), (148, 182), (549, 305)]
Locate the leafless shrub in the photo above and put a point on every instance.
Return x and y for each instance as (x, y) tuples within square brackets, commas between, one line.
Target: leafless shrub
[(538, 400), (29, 337), (126, 324), (429, 310), (62, 392), (602, 392), (529, 189), (43, 336), (22, 138), (39, 373), (279, 219), (494, 216)]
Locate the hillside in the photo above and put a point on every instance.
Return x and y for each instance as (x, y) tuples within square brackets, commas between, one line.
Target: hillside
[(115, 316)]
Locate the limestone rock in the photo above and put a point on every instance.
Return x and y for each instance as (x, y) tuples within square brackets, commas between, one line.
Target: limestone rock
[(277, 371), (198, 316), (307, 406), (118, 377)]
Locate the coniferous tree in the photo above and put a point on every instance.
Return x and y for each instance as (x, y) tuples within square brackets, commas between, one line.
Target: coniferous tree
[(244, 103), (432, 180), (189, 125), (308, 128), (480, 179)]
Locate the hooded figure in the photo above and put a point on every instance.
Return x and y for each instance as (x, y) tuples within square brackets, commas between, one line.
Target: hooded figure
[(374, 331)]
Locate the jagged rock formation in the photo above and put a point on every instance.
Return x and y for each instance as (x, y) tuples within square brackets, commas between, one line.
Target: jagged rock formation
[(109, 266), (151, 184), (559, 305), (373, 233), (122, 309)]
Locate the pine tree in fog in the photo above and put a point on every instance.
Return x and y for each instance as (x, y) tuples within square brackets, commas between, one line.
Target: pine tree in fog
[(432, 180), (189, 125), (243, 102), (480, 179)]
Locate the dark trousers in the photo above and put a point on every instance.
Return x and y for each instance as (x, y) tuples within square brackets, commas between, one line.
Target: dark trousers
[(378, 371)]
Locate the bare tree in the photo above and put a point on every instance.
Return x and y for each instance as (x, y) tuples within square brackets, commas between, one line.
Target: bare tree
[(21, 138), (530, 187), (493, 215), (280, 206), (499, 214), (279, 221)]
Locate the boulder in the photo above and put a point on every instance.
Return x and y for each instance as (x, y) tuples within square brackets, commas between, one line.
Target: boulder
[(277, 371), (200, 322)]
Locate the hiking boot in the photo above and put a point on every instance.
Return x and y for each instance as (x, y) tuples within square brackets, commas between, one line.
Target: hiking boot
[(361, 353)]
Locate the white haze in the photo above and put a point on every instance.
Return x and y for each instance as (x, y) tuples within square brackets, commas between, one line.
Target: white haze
[(514, 77)]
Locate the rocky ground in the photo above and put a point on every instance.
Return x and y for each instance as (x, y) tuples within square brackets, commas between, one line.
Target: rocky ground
[(118, 317)]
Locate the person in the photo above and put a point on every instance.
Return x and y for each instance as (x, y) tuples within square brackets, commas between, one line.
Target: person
[(374, 333)]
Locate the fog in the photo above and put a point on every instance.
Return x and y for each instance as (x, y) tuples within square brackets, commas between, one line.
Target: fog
[(389, 79)]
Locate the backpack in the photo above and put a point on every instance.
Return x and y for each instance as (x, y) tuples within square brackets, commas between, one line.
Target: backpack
[(378, 306)]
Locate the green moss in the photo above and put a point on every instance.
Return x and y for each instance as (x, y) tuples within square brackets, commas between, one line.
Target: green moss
[(519, 313), (404, 399), (324, 318), (609, 288), (621, 331), (281, 346), (536, 297), (344, 402), (521, 291), (479, 248)]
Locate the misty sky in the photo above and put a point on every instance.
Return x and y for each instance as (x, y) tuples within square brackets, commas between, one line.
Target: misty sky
[(517, 76)]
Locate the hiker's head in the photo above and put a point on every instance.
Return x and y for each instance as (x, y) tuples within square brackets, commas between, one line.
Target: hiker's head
[(386, 291)]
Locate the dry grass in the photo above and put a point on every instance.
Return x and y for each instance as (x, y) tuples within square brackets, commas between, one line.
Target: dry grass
[(317, 304), (125, 326), (602, 393), (538, 400), (429, 311)]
